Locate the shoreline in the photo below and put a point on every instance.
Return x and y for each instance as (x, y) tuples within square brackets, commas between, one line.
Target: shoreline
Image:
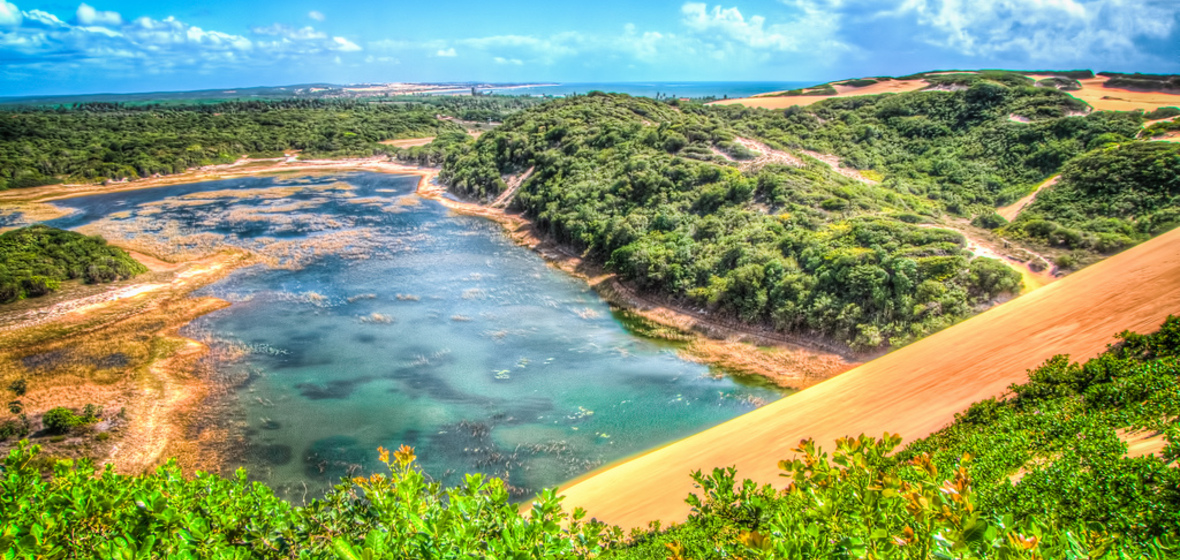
[(791, 362), (161, 401), (155, 380), (172, 395)]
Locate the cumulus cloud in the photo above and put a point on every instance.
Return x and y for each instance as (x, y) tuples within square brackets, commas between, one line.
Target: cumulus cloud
[(344, 45), (35, 42), (316, 15), (446, 53), (809, 26), (9, 14), (87, 15), (1042, 30), (513, 61)]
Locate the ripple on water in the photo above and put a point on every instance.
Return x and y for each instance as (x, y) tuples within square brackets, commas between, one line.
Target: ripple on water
[(370, 328)]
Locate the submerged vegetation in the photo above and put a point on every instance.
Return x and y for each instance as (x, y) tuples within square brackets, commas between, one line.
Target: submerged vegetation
[(988, 486), (35, 260)]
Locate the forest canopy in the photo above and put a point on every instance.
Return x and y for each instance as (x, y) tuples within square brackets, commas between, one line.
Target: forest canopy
[(35, 260)]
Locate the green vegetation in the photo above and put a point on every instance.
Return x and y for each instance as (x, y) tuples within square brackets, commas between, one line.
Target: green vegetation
[(98, 141), (61, 419), (1167, 83), (1159, 129), (1162, 113), (482, 108), (659, 193), (35, 261), (101, 141), (1108, 199), (857, 83), (824, 89), (1060, 82), (635, 184), (1043, 474)]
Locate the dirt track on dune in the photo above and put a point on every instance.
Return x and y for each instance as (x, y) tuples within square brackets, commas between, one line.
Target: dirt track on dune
[(914, 391)]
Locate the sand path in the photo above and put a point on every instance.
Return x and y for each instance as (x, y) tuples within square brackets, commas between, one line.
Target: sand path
[(1010, 211), (914, 391)]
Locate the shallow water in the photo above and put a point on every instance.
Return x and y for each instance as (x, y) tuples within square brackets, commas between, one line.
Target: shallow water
[(392, 321)]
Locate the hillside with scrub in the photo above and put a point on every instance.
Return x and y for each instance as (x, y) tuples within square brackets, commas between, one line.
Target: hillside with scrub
[(842, 221), (990, 485)]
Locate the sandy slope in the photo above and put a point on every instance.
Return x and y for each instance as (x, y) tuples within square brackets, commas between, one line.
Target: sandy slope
[(1093, 92), (1102, 98), (913, 391), (889, 86)]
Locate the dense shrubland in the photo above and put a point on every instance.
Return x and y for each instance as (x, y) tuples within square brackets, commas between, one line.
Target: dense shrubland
[(98, 141), (1042, 474), (1108, 199), (664, 194), (35, 261)]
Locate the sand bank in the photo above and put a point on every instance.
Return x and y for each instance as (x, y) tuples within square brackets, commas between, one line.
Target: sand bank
[(770, 101), (914, 391), (119, 349)]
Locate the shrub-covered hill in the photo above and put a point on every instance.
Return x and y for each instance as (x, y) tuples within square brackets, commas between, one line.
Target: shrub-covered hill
[(35, 261), (1108, 199), (673, 197), (1041, 475), (104, 141)]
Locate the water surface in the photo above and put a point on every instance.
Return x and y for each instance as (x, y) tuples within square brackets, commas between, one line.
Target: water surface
[(383, 319)]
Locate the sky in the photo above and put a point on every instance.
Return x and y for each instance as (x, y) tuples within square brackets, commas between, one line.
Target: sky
[(119, 46)]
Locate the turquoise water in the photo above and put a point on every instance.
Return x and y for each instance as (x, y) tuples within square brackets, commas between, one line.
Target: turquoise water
[(390, 320)]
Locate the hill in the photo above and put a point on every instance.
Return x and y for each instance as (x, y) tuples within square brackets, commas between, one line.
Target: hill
[(34, 261), (821, 221)]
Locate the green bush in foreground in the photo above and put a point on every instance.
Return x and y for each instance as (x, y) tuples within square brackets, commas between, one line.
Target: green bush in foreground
[(1042, 475)]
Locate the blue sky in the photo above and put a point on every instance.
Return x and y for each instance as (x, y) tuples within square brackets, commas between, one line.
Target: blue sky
[(138, 45)]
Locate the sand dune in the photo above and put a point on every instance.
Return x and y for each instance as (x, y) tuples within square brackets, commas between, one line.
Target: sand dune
[(1102, 98), (888, 86), (913, 391), (1093, 92)]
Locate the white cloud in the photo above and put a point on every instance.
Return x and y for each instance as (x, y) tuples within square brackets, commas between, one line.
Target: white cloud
[(44, 19), (86, 15), (9, 14), (316, 15), (813, 27), (44, 45), (446, 52), (280, 30), (344, 45), (512, 61), (1042, 30)]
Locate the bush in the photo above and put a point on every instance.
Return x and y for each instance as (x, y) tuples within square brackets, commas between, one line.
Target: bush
[(20, 386), (1162, 113), (61, 419), (35, 260), (989, 221), (14, 428)]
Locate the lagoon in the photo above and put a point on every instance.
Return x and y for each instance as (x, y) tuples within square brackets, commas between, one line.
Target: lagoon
[(382, 319)]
